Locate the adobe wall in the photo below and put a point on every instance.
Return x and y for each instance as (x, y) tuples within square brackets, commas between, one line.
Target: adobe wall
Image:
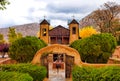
[(73, 37), (57, 48), (116, 53), (45, 38), (8, 61), (115, 59), (99, 65)]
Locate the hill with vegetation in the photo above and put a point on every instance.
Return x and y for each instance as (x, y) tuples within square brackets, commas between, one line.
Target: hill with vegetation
[(30, 29)]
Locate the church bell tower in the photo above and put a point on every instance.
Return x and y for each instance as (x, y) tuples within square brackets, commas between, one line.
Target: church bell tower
[(74, 30), (44, 28)]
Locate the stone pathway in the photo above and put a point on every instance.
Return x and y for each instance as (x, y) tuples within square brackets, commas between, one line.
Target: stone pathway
[(54, 76)]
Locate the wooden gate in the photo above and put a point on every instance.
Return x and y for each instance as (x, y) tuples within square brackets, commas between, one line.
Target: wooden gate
[(69, 62), (44, 62)]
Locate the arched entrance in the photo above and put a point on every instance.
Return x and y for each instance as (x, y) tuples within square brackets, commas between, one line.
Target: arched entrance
[(50, 54)]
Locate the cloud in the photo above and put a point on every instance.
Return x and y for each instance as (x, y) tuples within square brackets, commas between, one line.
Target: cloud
[(58, 11), (59, 8), (21, 12), (58, 22), (9, 23), (75, 6)]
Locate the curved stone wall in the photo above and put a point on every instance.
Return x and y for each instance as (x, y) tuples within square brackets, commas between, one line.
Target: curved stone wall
[(57, 48)]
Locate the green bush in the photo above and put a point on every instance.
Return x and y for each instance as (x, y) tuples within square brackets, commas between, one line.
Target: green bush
[(38, 73), (14, 76), (111, 73), (96, 48), (24, 49)]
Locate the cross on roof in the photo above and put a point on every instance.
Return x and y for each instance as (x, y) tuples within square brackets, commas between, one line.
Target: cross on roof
[(73, 17), (44, 16)]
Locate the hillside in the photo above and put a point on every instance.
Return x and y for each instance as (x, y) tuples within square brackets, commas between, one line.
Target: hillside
[(30, 29), (87, 21)]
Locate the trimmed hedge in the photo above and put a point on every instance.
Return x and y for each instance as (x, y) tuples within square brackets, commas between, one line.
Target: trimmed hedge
[(111, 73), (23, 50), (14, 76), (38, 73), (96, 48)]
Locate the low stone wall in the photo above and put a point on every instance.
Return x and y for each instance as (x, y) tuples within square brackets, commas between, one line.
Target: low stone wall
[(115, 58), (116, 53), (8, 61), (73, 52), (114, 61), (98, 65)]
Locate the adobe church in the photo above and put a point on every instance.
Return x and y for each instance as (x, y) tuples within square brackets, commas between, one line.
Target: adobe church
[(59, 34), (59, 37)]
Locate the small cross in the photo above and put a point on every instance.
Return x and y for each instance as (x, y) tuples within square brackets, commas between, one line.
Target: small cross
[(73, 16), (44, 16)]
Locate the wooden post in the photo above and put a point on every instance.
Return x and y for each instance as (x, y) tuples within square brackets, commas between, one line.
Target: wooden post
[(62, 40), (56, 40)]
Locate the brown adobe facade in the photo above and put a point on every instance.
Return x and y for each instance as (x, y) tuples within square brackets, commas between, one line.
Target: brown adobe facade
[(59, 34)]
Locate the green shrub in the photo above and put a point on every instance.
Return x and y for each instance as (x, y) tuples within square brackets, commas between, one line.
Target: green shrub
[(14, 76), (96, 48), (24, 49), (38, 73), (111, 73)]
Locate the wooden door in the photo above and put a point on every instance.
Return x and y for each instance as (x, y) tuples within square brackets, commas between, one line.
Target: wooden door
[(69, 62), (59, 40), (44, 62)]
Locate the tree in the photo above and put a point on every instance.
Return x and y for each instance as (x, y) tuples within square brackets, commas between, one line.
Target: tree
[(96, 48), (24, 49), (38, 34), (1, 39), (3, 4), (87, 31), (19, 35), (106, 17), (50, 27), (12, 35)]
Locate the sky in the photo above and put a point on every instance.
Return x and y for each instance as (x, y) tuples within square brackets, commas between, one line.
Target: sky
[(58, 12)]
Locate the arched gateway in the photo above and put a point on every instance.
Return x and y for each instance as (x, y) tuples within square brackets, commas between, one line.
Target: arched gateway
[(50, 54)]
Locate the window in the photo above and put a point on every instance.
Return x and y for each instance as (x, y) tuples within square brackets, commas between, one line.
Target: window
[(44, 31), (74, 30)]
